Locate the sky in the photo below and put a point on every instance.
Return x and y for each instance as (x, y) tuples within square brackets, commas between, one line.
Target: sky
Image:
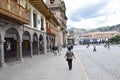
[(91, 14)]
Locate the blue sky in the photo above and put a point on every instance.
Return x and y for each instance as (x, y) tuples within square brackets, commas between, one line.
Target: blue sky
[(89, 14)]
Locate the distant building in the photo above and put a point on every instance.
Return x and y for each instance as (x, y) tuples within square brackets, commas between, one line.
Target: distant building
[(97, 37), (70, 37)]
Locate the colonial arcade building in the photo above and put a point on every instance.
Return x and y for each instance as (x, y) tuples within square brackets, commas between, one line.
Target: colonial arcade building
[(23, 29)]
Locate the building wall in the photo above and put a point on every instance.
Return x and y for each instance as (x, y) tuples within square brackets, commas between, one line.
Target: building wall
[(19, 33), (56, 9), (39, 16)]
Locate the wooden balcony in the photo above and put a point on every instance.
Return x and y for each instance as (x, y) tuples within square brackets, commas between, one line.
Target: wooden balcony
[(51, 30), (13, 11)]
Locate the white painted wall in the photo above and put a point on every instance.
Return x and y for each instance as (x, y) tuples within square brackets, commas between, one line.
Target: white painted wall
[(39, 16), (23, 3)]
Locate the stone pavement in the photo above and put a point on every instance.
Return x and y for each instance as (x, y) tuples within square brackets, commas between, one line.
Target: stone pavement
[(43, 67)]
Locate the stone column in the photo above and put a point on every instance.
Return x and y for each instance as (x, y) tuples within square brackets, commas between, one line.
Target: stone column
[(45, 45), (2, 61), (31, 48), (38, 48), (19, 47)]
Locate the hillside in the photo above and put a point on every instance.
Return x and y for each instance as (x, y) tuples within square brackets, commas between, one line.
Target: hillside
[(78, 31), (108, 28)]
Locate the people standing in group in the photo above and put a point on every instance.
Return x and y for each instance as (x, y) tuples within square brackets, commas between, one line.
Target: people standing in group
[(107, 45), (69, 57)]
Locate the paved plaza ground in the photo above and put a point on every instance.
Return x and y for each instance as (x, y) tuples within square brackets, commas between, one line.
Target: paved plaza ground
[(51, 67)]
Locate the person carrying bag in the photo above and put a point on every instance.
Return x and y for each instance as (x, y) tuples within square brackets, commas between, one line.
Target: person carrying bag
[(69, 57)]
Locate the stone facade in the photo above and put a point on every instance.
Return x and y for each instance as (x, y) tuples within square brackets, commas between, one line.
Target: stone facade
[(71, 37), (57, 7)]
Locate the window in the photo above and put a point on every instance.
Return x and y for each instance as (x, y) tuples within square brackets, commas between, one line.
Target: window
[(34, 20), (42, 24)]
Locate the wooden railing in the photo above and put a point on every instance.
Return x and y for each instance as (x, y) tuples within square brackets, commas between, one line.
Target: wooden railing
[(14, 8)]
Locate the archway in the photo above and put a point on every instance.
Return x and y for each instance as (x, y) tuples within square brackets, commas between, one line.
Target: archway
[(41, 44), (35, 44), (10, 46), (26, 44)]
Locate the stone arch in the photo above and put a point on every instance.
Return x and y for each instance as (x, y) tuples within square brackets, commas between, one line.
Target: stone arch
[(26, 44), (11, 37), (35, 44), (8, 27), (35, 37)]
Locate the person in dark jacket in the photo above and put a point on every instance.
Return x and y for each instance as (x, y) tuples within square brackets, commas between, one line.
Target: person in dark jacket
[(94, 48), (69, 57), (55, 49)]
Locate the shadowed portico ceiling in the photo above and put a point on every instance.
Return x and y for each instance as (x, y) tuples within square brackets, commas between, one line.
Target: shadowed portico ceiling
[(41, 7)]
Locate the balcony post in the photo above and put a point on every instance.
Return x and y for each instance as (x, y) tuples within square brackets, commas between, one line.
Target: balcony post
[(8, 6), (27, 4)]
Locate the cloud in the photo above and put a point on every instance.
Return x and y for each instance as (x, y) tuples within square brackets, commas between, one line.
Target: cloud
[(86, 12), (90, 14)]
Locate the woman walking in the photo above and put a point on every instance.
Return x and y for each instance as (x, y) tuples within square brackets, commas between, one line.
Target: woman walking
[(69, 57)]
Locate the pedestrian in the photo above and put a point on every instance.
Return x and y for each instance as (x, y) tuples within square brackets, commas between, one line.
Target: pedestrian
[(94, 48), (59, 49), (55, 49), (108, 46), (69, 57), (87, 46)]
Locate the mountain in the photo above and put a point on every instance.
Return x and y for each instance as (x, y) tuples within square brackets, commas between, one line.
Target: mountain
[(108, 28), (78, 31)]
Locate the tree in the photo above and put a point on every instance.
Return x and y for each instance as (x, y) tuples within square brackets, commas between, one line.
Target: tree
[(115, 39)]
